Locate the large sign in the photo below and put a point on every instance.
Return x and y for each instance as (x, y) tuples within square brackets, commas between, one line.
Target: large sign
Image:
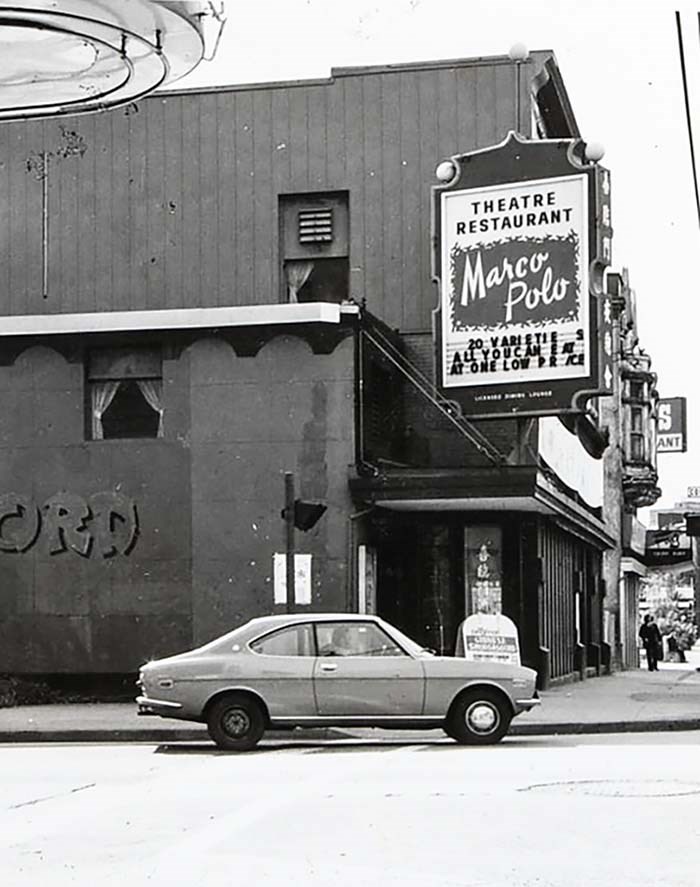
[(671, 425), (519, 323)]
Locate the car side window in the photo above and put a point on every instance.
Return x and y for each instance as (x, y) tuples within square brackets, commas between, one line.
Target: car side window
[(295, 640), (355, 639)]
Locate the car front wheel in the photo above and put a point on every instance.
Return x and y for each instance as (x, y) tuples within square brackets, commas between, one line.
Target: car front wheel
[(236, 723), (478, 717)]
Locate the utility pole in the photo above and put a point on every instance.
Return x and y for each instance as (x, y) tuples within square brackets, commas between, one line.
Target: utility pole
[(289, 525)]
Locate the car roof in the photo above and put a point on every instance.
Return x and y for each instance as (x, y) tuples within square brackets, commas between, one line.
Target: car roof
[(287, 618)]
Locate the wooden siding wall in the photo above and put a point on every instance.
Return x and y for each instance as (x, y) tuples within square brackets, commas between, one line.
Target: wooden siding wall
[(561, 558), (174, 202)]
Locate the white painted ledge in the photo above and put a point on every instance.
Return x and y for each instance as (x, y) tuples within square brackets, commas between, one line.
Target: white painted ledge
[(175, 319)]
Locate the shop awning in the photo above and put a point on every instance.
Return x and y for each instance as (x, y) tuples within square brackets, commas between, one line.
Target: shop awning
[(505, 489)]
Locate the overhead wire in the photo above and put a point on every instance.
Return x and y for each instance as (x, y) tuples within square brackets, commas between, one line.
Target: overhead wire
[(686, 95)]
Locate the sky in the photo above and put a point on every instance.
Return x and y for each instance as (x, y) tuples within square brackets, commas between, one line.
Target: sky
[(620, 65)]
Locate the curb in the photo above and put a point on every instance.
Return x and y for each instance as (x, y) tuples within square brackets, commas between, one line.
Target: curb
[(572, 728), (330, 734)]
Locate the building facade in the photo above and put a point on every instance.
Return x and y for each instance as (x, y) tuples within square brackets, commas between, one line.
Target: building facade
[(207, 289)]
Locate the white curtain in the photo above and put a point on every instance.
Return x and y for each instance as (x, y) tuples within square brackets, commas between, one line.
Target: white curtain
[(152, 390), (298, 272), (102, 395)]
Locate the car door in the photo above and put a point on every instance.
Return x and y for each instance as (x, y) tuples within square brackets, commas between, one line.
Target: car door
[(281, 670), (361, 671)]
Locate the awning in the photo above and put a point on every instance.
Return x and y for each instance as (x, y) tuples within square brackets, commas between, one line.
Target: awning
[(506, 489)]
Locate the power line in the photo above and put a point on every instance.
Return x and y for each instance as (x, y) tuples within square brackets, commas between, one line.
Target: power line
[(687, 108)]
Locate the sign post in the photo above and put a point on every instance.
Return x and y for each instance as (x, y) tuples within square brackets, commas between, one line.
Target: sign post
[(289, 548)]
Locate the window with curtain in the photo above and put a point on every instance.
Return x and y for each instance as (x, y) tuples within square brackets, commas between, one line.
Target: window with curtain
[(125, 393), (314, 232)]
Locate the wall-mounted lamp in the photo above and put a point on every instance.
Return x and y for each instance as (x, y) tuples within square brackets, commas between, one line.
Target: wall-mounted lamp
[(594, 152), (446, 171)]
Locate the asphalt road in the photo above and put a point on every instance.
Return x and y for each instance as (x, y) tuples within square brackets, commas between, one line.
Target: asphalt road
[(541, 812)]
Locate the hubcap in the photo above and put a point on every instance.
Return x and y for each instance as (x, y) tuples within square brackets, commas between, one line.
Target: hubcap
[(236, 722), (482, 717)]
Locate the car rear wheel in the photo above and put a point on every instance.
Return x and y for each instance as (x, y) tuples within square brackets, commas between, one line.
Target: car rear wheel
[(236, 723), (478, 717)]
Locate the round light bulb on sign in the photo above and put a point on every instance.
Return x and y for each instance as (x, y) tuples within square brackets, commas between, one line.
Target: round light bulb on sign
[(446, 171), (594, 152), (518, 52)]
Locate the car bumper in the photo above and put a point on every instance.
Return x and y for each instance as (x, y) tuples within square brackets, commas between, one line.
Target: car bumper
[(148, 706), (527, 704)]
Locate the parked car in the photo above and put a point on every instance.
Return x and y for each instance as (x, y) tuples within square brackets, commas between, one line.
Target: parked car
[(311, 670)]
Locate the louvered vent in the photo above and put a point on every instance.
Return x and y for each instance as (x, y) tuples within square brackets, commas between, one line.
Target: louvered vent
[(316, 225)]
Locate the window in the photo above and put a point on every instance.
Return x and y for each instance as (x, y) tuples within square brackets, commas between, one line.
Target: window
[(294, 641), (636, 390), (125, 393), (637, 435), (314, 237), (355, 639)]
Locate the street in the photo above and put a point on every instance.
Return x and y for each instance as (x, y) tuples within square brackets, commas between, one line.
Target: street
[(530, 812)]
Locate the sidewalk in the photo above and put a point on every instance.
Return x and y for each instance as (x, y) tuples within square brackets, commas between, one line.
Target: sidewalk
[(627, 701)]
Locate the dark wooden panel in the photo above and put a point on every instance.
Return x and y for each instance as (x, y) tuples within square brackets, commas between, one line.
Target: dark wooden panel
[(265, 232), (336, 137), (208, 177), (226, 184), (371, 123), (391, 178), (175, 167), (155, 197), (318, 138), (299, 138), (355, 165), (135, 272), (413, 197), (87, 215), (22, 183), (191, 216), (5, 220), (245, 196)]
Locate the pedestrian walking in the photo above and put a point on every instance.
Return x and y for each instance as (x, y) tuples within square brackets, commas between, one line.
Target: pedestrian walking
[(653, 644)]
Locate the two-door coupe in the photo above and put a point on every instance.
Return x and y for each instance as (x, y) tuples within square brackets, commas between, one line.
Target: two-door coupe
[(331, 669)]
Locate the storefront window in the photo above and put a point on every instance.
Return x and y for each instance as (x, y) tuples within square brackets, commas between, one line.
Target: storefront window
[(483, 569)]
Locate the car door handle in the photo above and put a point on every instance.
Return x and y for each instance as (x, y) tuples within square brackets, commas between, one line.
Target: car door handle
[(329, 666)]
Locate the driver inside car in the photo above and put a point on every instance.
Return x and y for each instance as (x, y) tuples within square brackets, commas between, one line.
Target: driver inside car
[(341, 643)]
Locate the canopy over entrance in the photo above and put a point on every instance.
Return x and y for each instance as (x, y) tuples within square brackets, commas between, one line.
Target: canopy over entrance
[(77, 56)]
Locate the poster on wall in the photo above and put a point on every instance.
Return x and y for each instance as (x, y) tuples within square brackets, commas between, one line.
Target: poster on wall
[(302, 578), (482, 569), (518, 265)]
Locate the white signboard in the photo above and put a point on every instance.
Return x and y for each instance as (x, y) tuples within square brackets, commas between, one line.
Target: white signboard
[(515, 305), (302, 578), (488, 638)]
